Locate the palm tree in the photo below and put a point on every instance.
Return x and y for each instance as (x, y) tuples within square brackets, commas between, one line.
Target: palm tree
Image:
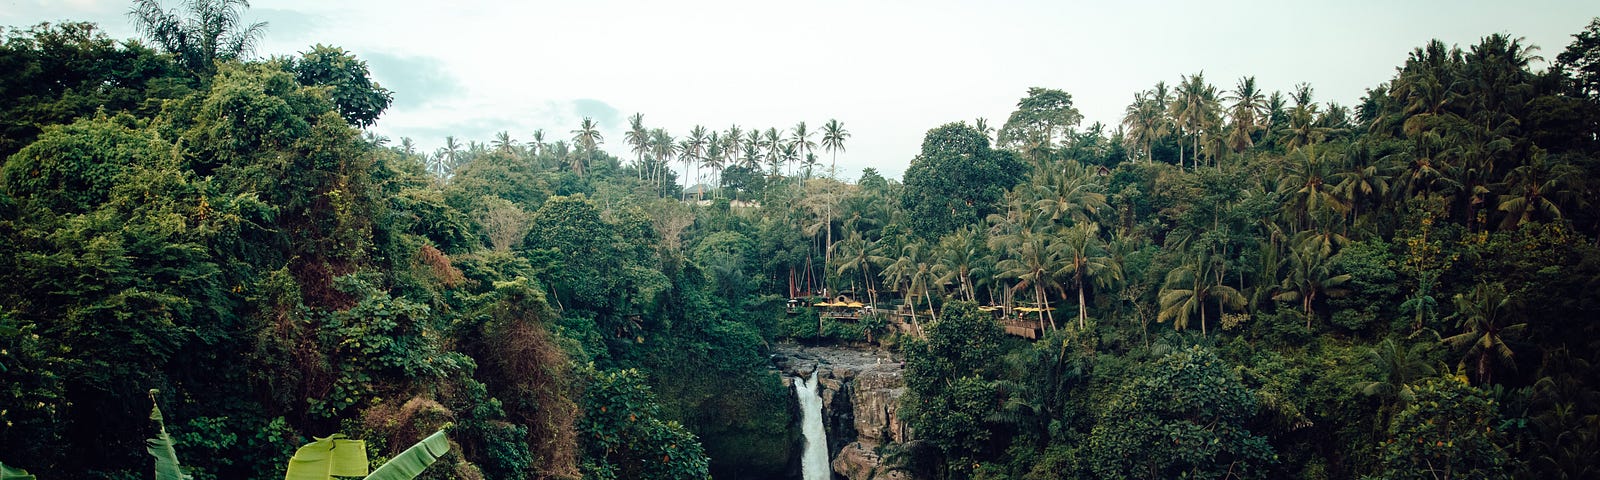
[(686, 154), (1362, 182), (913, 274), (1196, 110), (587, 136), (772, 147), (537, 144), (959, 258), (1303, 129), (1399, 369), (208, 32), (1486, 313), (1145, 121), (1248, 108), (1086, 263), (801, 138), (1531, 187), (1030, 259), (790, 155), (1307, 187), (1310, 276), (663, 146), (638, 139), (1188, 288), (447, 158), (713, 157), (1073, 194), (859, 254), (982, 125), (833, 138), (503, 143), (694, 149)]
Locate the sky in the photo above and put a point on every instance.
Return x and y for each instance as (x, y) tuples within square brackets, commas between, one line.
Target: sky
[(888, 70)]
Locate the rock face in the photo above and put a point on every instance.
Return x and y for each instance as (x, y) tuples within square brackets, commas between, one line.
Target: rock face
[(861, 389)]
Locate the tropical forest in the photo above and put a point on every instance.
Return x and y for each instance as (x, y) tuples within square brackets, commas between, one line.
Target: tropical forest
[(213, 267)]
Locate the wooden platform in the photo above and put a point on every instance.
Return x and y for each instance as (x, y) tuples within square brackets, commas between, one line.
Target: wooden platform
[(1028, 329)]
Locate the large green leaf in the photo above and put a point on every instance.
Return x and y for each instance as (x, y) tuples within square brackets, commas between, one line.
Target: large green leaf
[(162, 447), (328, 457), (408, 464), (8, 473)]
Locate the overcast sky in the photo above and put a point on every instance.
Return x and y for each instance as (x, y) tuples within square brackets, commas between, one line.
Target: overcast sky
[(890, 71)]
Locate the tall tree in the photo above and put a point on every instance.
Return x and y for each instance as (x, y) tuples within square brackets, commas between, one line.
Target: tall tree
[(833, 138), (801, 138), (1488, 314), (1189, 287), (1248, 108), (1196, 111), (587, 136), (1041, 119), (209, 31), (638, 139), (956, 180), (1087, 263)]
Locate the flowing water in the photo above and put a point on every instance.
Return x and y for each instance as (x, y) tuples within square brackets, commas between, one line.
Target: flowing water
[(814, 461)]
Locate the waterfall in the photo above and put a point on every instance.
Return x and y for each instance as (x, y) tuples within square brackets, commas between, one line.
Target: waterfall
[(814, 461)]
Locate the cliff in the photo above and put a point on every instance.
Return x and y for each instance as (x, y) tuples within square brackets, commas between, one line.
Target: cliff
[(860, 390)]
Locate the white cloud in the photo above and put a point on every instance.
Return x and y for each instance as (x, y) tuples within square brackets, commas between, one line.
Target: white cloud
[(889, 70)]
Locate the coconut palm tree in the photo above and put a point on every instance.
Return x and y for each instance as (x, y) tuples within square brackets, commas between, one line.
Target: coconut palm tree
[(503, 143), (1074, 193), (587, 136), (1086, 262), (1486, 313), (859, 254), (1248, 108), (1196, 110), (1310, 276), (537, 142), (714, 156), (772, 148), (1145, 121), (833, 139), (801, 138), (638, 139), (912, 274), (1308, 185), (1030, 259), (1189, 287), (982, 126), (1531, 189), (665, 149), (959, 258), (1399, 368), (211, 30)]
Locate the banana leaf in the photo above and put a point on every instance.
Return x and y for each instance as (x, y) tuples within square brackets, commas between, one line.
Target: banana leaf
[(8, 473), (162, 447), (410, 463), (328, 457)]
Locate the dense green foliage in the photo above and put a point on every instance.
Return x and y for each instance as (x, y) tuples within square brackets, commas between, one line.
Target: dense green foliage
[(1400, 289)]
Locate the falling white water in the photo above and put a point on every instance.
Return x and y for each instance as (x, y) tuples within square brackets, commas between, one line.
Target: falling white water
[(814, 462)]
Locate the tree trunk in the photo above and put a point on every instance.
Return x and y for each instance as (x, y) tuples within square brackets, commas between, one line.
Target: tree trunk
[(1043, 311), (1083, 310)]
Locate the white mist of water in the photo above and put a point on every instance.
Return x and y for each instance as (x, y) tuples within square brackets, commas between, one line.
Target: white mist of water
[(814, 461)]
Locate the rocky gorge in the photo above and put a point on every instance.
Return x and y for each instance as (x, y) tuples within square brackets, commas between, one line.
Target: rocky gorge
[(860, 387)]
